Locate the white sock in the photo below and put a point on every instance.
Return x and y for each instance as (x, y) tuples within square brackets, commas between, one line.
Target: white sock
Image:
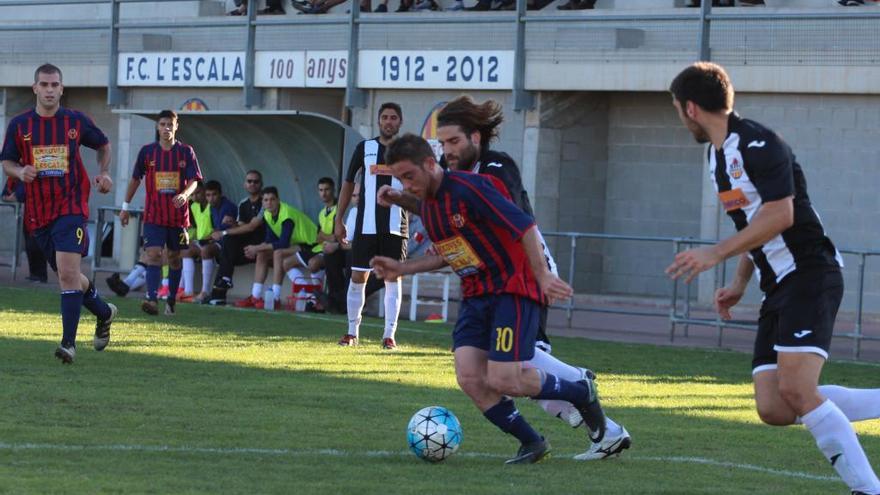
[(136, 272), (257, 291), (139, 282), (857, 404), (547, 362), (295, 273), (392, 307), (207, 275), (276, 288), (838, 442), (318, 278), (189, 272), (357, 295)]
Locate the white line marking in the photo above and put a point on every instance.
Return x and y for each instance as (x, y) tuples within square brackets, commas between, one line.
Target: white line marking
[(381, 453)]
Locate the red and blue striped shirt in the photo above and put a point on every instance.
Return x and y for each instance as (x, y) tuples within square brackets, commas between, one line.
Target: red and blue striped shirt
[(51, 145), (477, 230), (167, 173)]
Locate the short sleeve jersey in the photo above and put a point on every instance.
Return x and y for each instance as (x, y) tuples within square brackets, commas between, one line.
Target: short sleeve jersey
[(756, 166), (166, 173), (373, 218), (477, 230), (51, 145)]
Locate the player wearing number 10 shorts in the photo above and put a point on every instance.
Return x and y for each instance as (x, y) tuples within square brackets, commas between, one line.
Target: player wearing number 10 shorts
[(494, 247)]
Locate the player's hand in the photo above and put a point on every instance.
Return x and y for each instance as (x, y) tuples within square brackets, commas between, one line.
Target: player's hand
[(692, 262), (330, 247), (227, 220), (386, 268), (123, 218), (554, 287), (104, 183), (387, 196), (341, 233), (27, 174), (217, 235), (9, 197), (726, 298), (180, 200)]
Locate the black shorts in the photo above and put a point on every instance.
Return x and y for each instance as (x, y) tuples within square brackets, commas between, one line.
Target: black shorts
[(798, 316), (306, 253), (366, 246)]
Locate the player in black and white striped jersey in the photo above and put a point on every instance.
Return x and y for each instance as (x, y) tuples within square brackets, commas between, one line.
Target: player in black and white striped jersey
[(379, 230), (763, 190)]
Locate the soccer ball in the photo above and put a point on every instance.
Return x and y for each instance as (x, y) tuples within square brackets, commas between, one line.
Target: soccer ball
[(433, 434)]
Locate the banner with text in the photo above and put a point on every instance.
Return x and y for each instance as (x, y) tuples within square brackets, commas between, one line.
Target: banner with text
[(181, 69), (435, 69)]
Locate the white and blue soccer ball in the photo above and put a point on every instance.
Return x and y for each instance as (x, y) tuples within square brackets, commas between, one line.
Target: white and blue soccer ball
[(434, 433)]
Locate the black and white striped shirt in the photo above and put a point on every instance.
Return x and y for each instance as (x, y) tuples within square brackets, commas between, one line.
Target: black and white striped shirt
[(372, 218), (757, 166)]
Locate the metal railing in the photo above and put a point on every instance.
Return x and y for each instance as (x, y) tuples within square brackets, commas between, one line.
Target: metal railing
[(679, 308), (101, 223), (17, 212), (517, 20)]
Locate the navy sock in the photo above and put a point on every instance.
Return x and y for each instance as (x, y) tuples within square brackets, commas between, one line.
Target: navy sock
[(154, 278), (505, 416), (173, 283), (93, 302), (555, 388), (71, 306)]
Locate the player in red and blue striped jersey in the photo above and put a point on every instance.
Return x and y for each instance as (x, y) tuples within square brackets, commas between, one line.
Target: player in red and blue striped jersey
[(171, 171), (494, 247), (41, 149)]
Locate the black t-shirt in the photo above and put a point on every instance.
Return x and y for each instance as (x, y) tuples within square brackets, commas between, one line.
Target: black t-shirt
[(247, 210)]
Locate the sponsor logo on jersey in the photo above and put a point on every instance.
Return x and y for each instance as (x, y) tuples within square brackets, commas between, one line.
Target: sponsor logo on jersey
[(26, 137), (802, 333), (756, 144), (151, 163), (734, 199), (494, 164)]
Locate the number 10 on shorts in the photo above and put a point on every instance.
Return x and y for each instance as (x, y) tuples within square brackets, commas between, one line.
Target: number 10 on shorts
[(503, 339)]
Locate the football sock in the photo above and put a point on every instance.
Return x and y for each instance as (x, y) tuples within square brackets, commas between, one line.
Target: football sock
[(207, 275), (858, 404), (555, 388), (505, 416), (136, 273), (189, 273), (71, 306), (93, 302), (392, 307), (139, 282), (173, 283), (547, 362), (276, 289), (838, 442), (356, 299), (295, 273), (257, 291), (154, 274)]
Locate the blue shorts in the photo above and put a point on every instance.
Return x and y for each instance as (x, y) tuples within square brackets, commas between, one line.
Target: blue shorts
[(503, 324), (174, 238), (67, 234)]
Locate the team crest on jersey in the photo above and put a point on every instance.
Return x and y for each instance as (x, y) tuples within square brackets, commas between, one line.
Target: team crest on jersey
[(736, 169), (182, 164), (457, 220), (72, 134)]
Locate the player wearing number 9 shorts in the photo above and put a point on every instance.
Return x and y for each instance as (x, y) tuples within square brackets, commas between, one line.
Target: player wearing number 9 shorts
[(41, 149), (171, 171), (494, 247)]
